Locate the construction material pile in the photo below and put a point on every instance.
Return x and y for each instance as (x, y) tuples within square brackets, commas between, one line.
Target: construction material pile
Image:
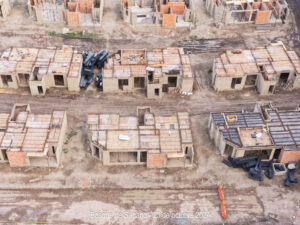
[(90, 60), (253, 165)]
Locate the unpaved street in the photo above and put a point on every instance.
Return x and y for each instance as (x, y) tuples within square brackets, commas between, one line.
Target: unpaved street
[(82, 191)]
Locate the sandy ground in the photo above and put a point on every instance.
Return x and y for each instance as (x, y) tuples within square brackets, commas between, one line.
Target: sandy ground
[(82, 191)]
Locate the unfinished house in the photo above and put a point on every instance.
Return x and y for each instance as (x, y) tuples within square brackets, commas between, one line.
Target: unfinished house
[(263, 68), (248, 11), (4, 9), (40, 69), (144, 139), (158, 71), (166, 13), (70, 12), (266, 131), (28, 139)]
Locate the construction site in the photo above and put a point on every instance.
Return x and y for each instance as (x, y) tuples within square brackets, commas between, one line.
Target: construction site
[(69, 12), (133, 120), (165, 13), (248, 11), (266, 131), (40, 69), (144, 139), (156, 71), (264, 68), (32, 140)]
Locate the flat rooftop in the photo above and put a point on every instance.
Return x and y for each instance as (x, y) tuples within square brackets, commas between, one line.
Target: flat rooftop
[(136, 63), (41, 61), (269, 61), (144, 133), (24, 131)]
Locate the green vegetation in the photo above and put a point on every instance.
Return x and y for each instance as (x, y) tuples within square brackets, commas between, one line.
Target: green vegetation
[(74, 35), (194, 37), (70, 135)]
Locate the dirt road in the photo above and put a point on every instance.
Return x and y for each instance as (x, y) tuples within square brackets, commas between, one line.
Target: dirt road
[(95, 206)]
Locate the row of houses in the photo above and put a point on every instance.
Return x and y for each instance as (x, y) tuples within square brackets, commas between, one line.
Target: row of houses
[(154, 71), (165, 13), (37, 140), (155, 141)]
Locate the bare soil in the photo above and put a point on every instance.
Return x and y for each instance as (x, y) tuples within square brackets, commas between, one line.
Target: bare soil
[(82, 191)]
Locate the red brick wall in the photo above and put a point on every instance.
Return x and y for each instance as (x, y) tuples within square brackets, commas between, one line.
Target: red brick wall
[(289, 156), (177, 7), (17, 159), (156, 160), (262, 17), (85, 6), (169, 20), (164, 8), (73, 18)]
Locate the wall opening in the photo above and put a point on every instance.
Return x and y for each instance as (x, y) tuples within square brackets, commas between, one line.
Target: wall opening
[(1, 14), (156, 91), (265, 154), (35, 73), (143, 157), (165, 88), (172, 81), (53, 150), (123, 157), (228, 150), (271, 89), (150, 76), (139, 82), (4, 154), (59, 80), (4, 81), (277, 153), (40, 89), (97, 152), (23, 78), (235, 81), (251, 80), (284, 78), (122, 83)]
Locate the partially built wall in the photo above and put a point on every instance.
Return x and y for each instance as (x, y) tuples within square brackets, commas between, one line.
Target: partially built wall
[(248, 11), (70, 12), (165, 13)]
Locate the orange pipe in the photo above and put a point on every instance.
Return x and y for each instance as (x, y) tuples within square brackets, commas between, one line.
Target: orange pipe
[(223, 205)]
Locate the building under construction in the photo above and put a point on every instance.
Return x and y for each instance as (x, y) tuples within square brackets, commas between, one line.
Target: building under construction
[(166, 13), (144, 139), (263, 68), (70, 12), (248, 11), (266, 131), (28, 139), (40, 69), (158, 71), (4, 9)]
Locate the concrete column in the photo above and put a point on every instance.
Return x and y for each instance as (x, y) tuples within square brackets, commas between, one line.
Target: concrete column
[(272, 154)]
